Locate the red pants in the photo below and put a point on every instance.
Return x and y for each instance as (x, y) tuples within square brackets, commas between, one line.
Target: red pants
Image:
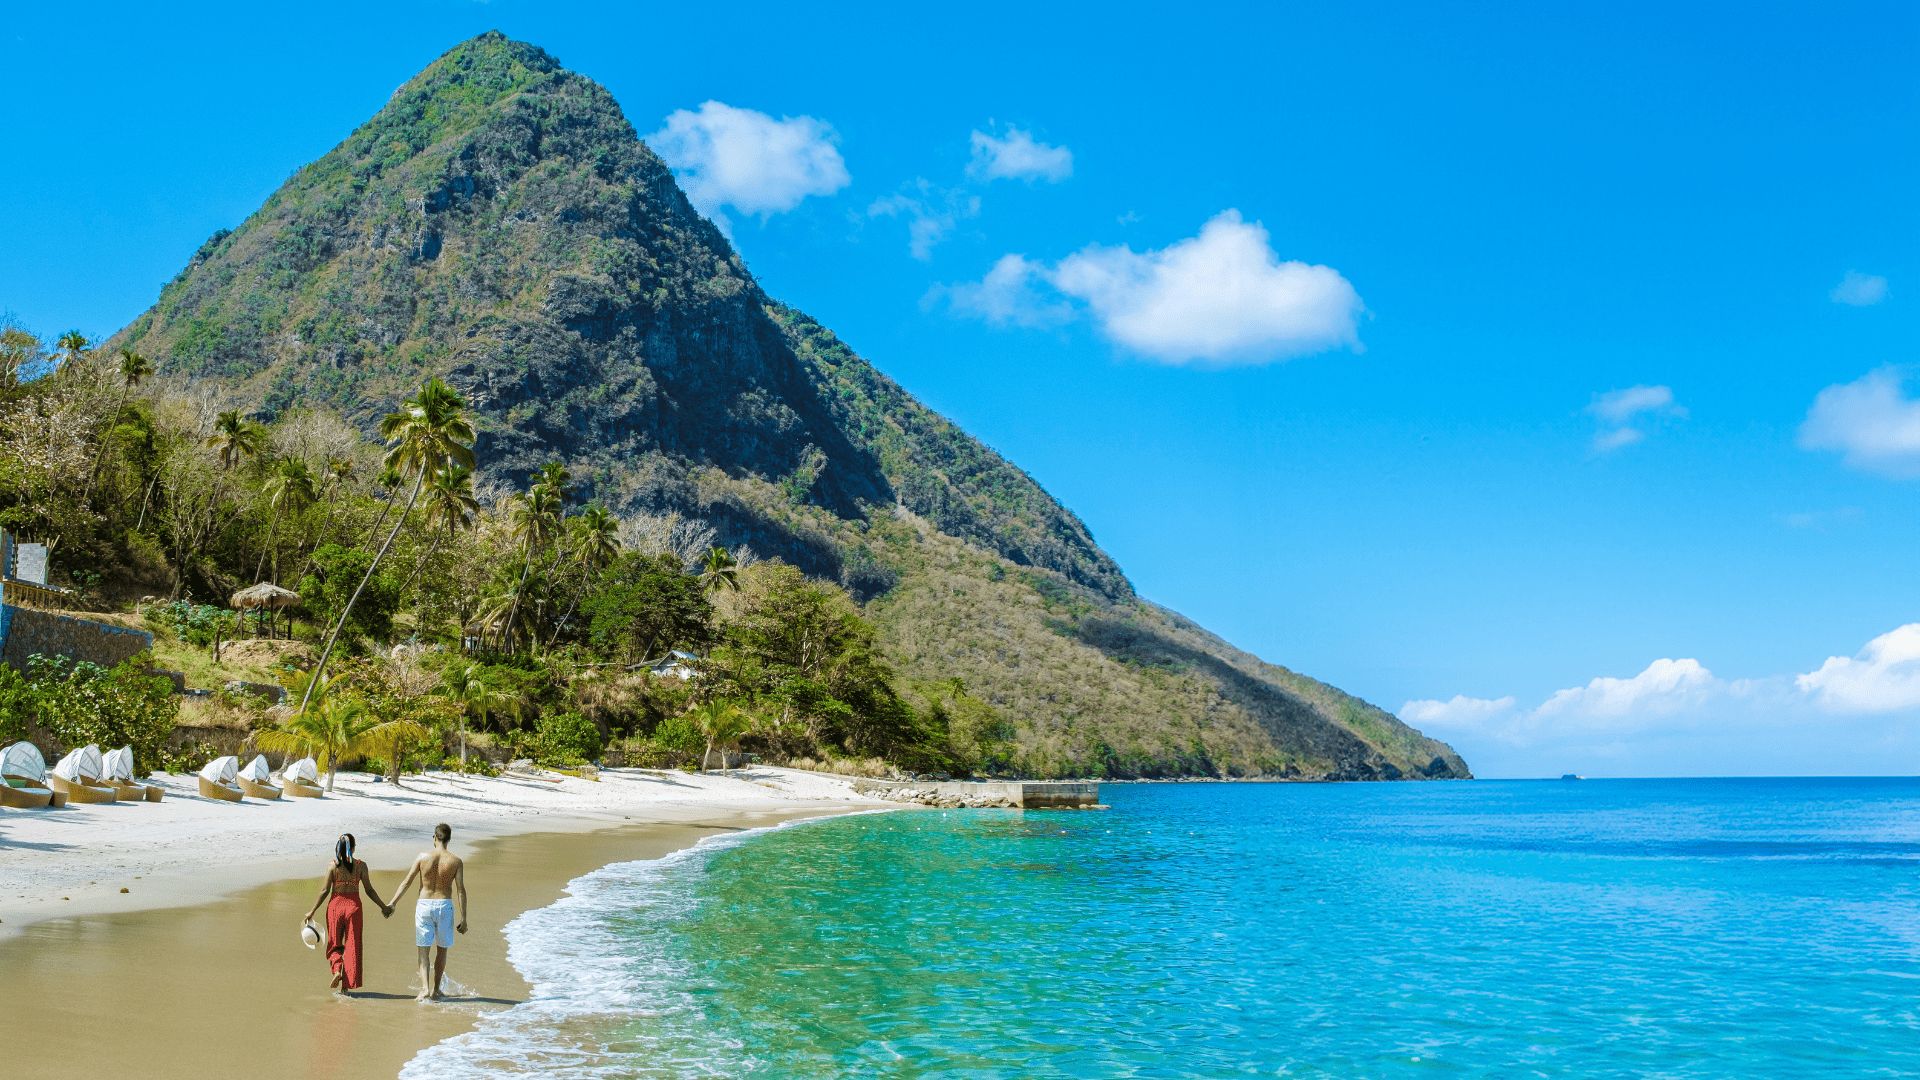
[(343, 938)]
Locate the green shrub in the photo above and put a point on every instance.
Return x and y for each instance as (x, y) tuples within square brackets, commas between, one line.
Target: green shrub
[(85, 703), (565, 738)]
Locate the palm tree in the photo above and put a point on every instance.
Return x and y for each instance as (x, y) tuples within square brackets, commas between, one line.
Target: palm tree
[(235, 437), (721, 572), (290, 486), (427, 434), (449, 499), (334, 729), (339, 473), (388, 481), (722, 722), (73, 343), (476, 699), (598, 545), (133, 368), (535, 519)]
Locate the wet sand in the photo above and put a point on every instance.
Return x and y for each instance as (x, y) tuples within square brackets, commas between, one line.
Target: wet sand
[(226, 989)]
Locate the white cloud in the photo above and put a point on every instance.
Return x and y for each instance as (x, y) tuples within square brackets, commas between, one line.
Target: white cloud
[(1860, 290), (1883, 677), (1872, 422), (1461, 712), (1665, 687), (1018, 157), (931, 212), (1617, 410), (1005, 297), (1614, 440), (1222, 297), (748, 160), (1677, 718), (1621, 406)]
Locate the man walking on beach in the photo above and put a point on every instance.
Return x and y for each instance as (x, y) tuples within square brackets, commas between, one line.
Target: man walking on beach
[(441, 875)]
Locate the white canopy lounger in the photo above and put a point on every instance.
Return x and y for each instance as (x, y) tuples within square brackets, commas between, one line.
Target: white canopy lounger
[(117, 771), (257, 780), (78, 774), (301, 779), (23, 779), (219, 780)]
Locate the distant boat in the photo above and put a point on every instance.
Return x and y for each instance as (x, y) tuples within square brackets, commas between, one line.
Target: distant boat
[(1571, 776)]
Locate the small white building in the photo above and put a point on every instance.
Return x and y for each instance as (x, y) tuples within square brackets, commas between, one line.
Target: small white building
[(677, 665)]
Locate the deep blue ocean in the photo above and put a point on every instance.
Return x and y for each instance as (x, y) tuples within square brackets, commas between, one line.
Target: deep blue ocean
[(1605, 928)]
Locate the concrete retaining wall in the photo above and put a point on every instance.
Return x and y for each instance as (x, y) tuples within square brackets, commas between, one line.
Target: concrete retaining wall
[(27, 631)]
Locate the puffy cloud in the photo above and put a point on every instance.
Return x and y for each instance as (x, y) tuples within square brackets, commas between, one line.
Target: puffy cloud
[(1884, 676), (1222, 297), (1005, 297), (1677, 718), (748, 160), (1872, 422), (1617, 410), (1018, 157), (1860, 290), (1461, 712), (931, 213), (1666, 686)]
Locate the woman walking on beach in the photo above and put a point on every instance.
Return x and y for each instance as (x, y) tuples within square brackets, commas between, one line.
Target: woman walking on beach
[(344, 880)]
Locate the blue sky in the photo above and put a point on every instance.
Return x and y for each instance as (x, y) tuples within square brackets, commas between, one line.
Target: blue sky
[(1541, 405)]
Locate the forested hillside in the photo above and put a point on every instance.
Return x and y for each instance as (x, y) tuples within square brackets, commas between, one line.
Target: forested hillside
[(500, 225)]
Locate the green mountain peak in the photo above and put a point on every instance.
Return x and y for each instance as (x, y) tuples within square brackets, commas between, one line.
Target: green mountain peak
[(499, 223)]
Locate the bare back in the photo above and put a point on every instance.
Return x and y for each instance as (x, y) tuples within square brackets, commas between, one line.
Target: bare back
[(438, 871)]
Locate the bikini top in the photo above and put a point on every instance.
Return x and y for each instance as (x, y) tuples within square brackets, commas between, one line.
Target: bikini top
[(344, 888)]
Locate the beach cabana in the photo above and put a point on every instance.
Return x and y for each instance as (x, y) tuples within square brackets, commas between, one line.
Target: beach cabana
[(117, 771), (220, 779), (257, 780), (301, 779), (23, 778), (78, 774), (264, 597)]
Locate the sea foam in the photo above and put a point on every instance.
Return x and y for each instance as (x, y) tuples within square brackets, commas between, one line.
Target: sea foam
[(600, 959)]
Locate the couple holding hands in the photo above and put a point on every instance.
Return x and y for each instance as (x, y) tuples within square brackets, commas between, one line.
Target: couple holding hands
[(441, 875)]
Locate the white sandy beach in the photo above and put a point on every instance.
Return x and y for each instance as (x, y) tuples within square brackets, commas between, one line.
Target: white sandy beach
[(189, 850)]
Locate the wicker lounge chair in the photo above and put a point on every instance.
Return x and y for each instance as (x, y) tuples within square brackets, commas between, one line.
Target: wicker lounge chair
[(118, 773), (257, 780), (78, 774), (218, 779), (23, 779), (301, 779)]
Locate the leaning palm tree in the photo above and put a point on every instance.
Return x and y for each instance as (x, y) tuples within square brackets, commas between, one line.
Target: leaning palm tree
[(721, 572), (428, 434), (722, 722), (289, 487), (450, 501), (235, 437), (597, 544), (464, 686), (133, 368)]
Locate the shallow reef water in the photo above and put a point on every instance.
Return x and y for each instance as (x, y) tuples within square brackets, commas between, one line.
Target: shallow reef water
[(1657, 928)]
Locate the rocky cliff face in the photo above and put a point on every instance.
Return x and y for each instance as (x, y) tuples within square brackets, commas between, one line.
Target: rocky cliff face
[(499, 223)]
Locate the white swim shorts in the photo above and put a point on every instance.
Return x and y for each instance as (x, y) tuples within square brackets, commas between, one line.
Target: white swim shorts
[(433, 922)]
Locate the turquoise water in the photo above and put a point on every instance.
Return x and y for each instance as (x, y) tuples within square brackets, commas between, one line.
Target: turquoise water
[(1690, 928)]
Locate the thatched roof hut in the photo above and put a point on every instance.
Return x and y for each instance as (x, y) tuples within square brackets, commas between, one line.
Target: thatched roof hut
[(263, 595)]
